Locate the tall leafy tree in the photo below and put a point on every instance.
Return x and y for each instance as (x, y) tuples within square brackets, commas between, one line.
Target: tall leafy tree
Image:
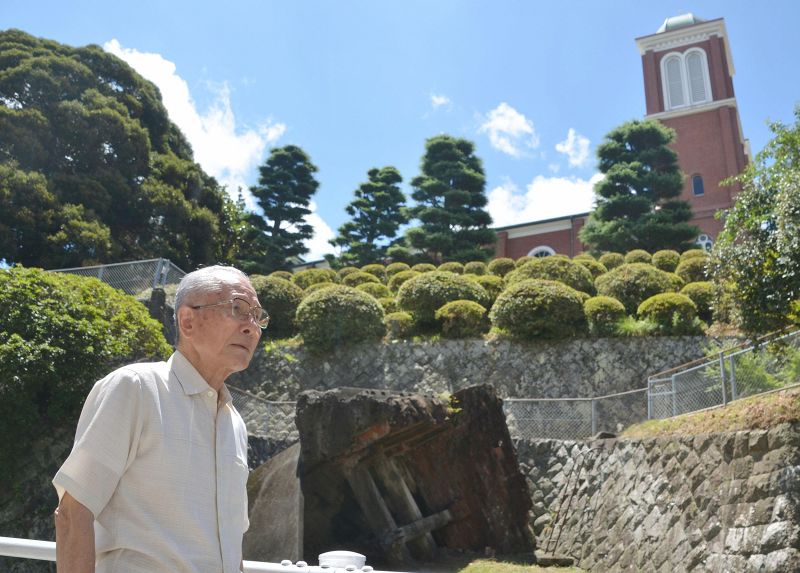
[(285, 187), (450, 195), (756, 259), (91, 168), (377, 212), (636, 201)]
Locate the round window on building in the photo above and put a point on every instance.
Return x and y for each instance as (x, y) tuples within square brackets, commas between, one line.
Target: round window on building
[(541, 251), (704, 242)]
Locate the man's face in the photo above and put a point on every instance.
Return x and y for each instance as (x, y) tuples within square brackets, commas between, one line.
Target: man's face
[(225, 343)]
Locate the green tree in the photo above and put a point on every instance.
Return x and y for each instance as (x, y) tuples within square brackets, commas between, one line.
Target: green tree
[(637, 205), (285, 187), (758, 251), (377, 213), (450, 195), (91, 168)]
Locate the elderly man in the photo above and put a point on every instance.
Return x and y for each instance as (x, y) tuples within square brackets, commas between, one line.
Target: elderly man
[(156, 480)]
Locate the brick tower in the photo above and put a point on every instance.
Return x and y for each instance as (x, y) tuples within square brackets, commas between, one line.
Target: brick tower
[(688, 85)]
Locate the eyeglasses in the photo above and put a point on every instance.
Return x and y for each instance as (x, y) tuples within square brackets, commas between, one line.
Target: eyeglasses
[(242, 310)]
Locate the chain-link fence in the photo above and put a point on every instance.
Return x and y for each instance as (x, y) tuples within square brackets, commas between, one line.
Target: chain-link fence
[(770, 364), (136, 278)]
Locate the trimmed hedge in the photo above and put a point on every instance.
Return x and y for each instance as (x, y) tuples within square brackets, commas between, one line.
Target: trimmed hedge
[(424, 267), (286, 275), (398, 279), (374, 289), (492, 284), (612, 260), (359, 278), (344, 271), (594, 267), (638, 256), (523, 260), (308, 277), (462, 319), (559, 269), (702, 295), (394, 268), (315, 287), (602, 314), (423, 295), (399, 325), (476, 268), (389, 304), (501, 267), (452, 267), (280, 298), (693, 253), (631, 284), (537, 308), (674, 313), (693, 270), (666, 260), (339, 316), (375, 270)]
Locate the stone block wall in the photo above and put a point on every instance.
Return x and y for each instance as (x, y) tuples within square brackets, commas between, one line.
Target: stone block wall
[(720, 503)]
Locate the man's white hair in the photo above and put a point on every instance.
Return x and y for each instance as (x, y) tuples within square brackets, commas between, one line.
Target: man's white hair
[(207, 280)]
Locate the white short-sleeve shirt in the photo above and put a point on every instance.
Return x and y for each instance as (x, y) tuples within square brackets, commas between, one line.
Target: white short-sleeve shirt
[(162, 465)]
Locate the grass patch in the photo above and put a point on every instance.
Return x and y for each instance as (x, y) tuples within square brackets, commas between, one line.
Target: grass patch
[(491, 566), (755, 412)]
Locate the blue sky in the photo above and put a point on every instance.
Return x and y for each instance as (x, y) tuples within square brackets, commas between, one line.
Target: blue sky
[(362, 84)]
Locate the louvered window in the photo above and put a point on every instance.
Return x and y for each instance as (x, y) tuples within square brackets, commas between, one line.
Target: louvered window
[(674, 81), (696, 68)]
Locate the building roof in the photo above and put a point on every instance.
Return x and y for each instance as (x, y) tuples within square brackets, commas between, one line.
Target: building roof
[(681, 21), (542, 221)]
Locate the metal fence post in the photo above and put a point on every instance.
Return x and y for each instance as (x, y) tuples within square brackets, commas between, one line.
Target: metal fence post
[(722, 378), (157, 274), (733, 378), (674, 397), (594, 417), (649, 399)]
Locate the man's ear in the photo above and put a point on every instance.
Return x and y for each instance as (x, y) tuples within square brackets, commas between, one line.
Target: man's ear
[(186, 321)]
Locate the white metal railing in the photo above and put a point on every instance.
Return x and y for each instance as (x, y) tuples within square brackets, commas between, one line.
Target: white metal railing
[(331, 562)]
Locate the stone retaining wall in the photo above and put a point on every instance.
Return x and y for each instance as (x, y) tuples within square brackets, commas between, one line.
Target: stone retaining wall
[(726, 502)]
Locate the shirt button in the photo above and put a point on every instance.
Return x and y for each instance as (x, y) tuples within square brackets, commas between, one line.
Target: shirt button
[(210, 393)]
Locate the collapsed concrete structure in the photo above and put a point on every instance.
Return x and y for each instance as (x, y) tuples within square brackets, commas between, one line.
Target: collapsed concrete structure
[(397, 477)]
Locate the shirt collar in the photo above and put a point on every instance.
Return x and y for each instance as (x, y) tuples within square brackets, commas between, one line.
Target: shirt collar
[(190, 379)]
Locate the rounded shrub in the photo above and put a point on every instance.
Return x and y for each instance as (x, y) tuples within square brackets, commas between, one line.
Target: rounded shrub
[(374, 289), (674, 313), (286, 275), (631, 284), (702, 295), (611, 260), (59, 333), (462, 319), (280, 298), (394, 268), (559, 269), (638, 256), (536, 308), (359, 278), (399, 325), (475, 268), (602, 314), (452, 267), (389, 304), (308, 277), (492, 284), (423, 295), (376, 270), (522, 260), (595, 268), (693, 253), (693, 270), (396, 281), (315, 287), (666, 260), (583, 257), (424, 267), (344, 271), (338, 316), (501, 266)]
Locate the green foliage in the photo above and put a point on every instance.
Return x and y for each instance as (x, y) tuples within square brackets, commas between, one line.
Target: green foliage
[(693, 270), (637, 205), (492, 284), (666, 260), (396, 281), (759, 248), (394, 268), (673, 312), (339, 316), (389, 304), (693, 253), (344, 271), (376, 270), (316, 286), (376, 214), (527, 310), (522, 260), (632, 284), (286, 275), (60, 333), (452, 267), (462, 319), (280, 298), (475, 268), (374, 289), (399, 325), (583, 257), (638, 256), (559, 269), (359, 278), (702, 295), (602, 314), (631, 327), (612, 260), (286, 184), (308, 277), (400, 254), (501, 266), (423, 295), (423, 267), (92, 169), (451, 200), (595, 268)]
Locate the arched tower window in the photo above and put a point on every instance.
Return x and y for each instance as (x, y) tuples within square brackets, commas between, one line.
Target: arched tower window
[(685, 79), (697, 185), (541, 251), (697, 72), (673, 78)]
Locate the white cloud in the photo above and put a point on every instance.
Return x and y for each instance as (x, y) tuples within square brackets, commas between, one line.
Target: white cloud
[(509, 131), (318, 245), (544, 198), (226, 151), (439, 100), (576, 148)]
